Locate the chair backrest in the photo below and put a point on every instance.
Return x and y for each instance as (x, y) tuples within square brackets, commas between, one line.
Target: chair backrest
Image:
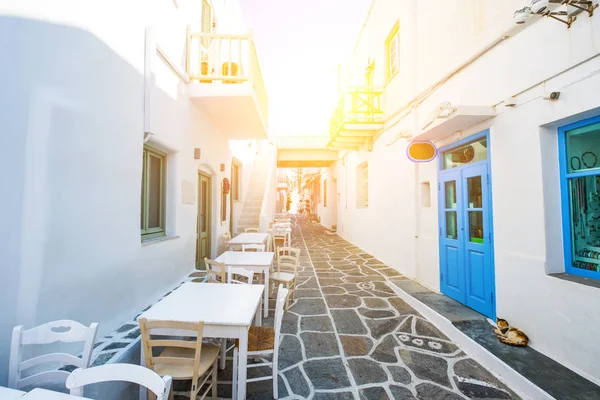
[(252, 230), (233, 272), (278, 234), (215, 271), (282, 294), (253, 247), (288, 258), (282, 219), (279, 225), (119, 373), (64, 331), (152, 339)]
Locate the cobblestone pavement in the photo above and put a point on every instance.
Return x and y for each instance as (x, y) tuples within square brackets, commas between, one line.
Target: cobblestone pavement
[(348, 336)]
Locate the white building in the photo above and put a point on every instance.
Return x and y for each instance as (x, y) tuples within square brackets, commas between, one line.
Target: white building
[(101, 102), (504, 219)]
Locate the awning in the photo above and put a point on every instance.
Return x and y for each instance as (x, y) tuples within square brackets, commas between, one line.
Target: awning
[(448, 119)]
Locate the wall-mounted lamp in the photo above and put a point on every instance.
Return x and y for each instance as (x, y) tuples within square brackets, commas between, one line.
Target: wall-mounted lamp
[(147, 136), (222, 167)]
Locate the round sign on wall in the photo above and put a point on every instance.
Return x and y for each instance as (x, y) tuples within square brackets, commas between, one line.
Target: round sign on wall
[(421, 151)]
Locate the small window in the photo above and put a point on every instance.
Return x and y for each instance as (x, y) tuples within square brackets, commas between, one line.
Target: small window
[(153, 193), (362, 185), (392, 45), (235, 181), (467, 154), (224, 192), (325, 193), (580, 148)]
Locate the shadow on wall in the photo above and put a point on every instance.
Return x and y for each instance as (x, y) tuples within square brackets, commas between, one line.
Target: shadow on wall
[(71, 118)]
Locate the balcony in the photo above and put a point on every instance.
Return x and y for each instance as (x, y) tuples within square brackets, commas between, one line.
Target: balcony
[(226, 81), (356, 119)]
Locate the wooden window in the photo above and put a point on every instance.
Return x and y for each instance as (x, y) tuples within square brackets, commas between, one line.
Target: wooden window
[(153, 193), (362, 185), (325, 193), (236, 170), (392, 46), (223, 203)]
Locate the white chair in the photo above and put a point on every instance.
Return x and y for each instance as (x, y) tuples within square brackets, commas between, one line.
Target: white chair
[(65, 331), (281, 225), (233, 272), (264, 341), (181, 358), (252, 230), (226, 238), (279, 235), (215, 271), (253, 247), (287, 262), (119, 373)]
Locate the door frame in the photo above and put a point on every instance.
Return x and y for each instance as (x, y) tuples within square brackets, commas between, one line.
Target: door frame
[(208, 176), (441, 172)]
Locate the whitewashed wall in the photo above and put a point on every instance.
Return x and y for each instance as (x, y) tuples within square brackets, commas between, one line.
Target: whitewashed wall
[(327, 213), (72, 101), (400, 231)]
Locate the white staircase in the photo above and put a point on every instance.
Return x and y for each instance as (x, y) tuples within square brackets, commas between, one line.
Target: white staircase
[(254, 197)]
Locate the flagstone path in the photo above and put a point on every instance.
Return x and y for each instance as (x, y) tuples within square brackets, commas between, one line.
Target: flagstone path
[(348, 336)]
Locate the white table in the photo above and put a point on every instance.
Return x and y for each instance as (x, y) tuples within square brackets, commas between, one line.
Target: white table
[(254, 261), (248, 238), (43, 394), (10, 394), (227, 312)]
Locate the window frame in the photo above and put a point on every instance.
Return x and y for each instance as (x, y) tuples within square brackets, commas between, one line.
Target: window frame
[(151, 233), (393, 35), (236, 171), (565, 176), (223, 211)]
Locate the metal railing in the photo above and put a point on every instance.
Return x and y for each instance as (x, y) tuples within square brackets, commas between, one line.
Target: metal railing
[(228, 59), (357, 105)]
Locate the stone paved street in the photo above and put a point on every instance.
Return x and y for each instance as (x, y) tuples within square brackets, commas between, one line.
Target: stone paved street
[(348, 336)]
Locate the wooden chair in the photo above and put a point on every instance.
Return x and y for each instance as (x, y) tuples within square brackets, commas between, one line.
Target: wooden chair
[(215, 271), (264, 341), (44, 366), (233, 272), (161, 387), (253, 247), (288, 258), (182, 359), (252, 230), (278, 235)]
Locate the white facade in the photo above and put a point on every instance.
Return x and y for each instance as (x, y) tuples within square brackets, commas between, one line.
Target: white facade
[(81, 83), (400, 224)]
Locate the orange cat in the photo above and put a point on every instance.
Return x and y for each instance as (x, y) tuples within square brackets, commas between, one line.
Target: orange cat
[(508, 335)]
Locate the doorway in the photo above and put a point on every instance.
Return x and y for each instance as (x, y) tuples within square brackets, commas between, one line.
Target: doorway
[(465, 226), (204, 219)]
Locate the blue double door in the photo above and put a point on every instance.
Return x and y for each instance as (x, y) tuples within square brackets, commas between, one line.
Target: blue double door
[(465, 229)]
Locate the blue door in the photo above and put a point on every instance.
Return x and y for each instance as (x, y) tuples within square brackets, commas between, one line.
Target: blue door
[(465, 221)]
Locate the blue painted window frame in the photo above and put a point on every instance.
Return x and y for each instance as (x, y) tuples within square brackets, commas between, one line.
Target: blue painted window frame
[(564, 194)]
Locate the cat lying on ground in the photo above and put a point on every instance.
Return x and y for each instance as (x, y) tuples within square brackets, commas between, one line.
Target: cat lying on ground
[(509, 335)]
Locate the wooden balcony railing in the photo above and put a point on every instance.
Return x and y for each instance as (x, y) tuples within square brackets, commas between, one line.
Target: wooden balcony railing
[(227, 59), (358, 105)]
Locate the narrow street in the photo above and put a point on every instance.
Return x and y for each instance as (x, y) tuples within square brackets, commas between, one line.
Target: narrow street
[(348, 336)]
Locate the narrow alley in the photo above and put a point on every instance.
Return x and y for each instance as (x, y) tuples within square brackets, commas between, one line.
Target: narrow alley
[(348, 336)]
